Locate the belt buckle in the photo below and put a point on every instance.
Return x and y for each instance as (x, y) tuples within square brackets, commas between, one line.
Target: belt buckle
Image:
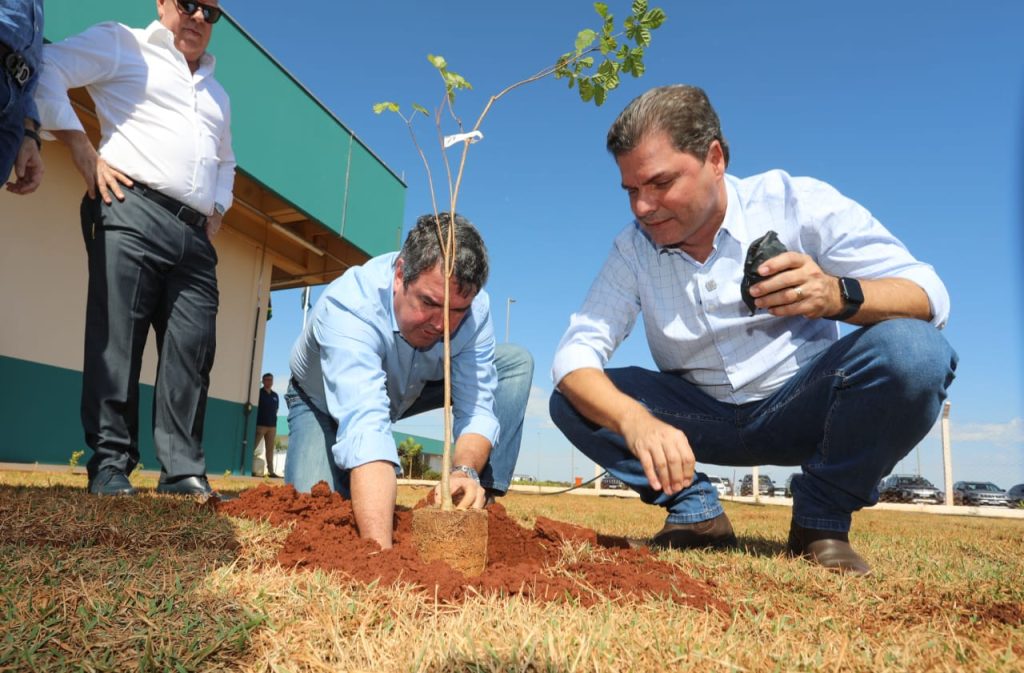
[(18, 68)]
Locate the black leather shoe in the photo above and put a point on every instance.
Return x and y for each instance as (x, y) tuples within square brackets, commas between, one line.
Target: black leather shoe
[(714, 533), (187, 486), (110, 482), (271, 475), (827, 548)]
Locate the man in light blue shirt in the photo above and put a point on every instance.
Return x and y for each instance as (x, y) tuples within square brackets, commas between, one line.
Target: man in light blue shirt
[(776, 386), (21, 49), (372, 352)]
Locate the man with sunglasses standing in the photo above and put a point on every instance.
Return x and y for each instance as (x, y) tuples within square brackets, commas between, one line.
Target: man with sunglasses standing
[(156, 192)]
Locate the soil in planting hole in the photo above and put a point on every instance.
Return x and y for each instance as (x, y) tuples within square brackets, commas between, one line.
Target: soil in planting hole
[(554, 561)]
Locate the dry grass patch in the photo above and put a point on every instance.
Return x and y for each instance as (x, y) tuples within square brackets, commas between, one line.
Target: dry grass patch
[(154, 583)]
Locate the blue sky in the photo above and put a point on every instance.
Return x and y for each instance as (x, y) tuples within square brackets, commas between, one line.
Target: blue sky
[(914, 109)]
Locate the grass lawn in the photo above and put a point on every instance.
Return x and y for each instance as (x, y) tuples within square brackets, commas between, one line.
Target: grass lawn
[(161, 584)]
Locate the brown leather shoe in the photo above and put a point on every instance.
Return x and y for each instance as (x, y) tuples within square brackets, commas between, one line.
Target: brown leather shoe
[(714, 533), (827, 548)]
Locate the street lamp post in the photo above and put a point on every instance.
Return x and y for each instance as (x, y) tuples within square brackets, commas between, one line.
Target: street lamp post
[(508, 315)]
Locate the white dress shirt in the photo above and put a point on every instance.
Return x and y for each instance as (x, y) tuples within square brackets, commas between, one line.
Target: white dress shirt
[(352, 362), (697, 324), (160, 123)]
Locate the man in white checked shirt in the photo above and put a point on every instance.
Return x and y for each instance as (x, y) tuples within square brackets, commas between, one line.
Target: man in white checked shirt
[(777, 387), (157, 190)]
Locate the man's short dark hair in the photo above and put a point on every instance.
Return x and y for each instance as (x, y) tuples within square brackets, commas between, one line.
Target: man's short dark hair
[(682, 111), (266, 375), (422, 252)]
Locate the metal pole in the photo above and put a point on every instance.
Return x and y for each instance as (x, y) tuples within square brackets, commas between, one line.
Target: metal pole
[(508, 315), (947, 453), (755, 482)]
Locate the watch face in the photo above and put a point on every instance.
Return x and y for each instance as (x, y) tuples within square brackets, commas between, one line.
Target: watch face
[(850, 289)]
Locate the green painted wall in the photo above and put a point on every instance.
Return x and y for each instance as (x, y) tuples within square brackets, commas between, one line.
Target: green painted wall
[(41, 420), (364, 202)]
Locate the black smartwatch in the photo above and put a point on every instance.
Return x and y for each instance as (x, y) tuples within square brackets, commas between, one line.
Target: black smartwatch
[(853, 297)]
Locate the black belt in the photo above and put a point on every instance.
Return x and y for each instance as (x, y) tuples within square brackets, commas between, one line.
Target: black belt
[(15, 65), (186, 214)]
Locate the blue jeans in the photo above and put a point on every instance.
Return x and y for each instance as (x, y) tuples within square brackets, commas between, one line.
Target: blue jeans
[(312, 432), (847, 417), (12, 122)]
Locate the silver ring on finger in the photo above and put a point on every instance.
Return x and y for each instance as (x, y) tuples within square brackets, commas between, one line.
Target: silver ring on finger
[(799, 292)]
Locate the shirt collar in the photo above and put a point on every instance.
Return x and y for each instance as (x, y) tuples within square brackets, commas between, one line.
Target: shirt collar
[(159, 34), (734, 224)]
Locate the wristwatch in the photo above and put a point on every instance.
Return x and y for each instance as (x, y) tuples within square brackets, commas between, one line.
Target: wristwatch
[(853, 297), (468, 471)]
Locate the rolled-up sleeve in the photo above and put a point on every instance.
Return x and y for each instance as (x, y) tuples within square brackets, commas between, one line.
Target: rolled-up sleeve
[(852, 242), (474, 381), (355, 388), (606, 318)]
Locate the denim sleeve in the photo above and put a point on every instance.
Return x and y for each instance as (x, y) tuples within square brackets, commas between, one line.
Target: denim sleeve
[(351, 357), (606, 317)]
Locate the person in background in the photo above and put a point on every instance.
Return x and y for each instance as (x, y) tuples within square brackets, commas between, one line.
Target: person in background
[(764, 379), (266, 430), (21, 49), (157, 190)]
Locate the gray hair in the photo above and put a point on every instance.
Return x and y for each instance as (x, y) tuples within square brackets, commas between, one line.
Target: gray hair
[(680, 110), (422, 252)]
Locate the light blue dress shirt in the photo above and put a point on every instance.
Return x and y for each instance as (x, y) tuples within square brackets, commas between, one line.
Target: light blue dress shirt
[(695, 319), (352, 362), (21, 29)]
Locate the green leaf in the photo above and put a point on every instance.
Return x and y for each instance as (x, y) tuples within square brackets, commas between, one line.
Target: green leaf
[(586, 89), (601, 9), (599, 96), (608, 68), (631, 28), (643, 36), (639, 7), (456, 81), (584, 39), (608, 45), (653, 18), (587, 62), (420, 108), (437, 61), (386, 106)]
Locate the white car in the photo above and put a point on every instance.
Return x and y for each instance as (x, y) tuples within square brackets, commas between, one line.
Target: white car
[(721, 484)]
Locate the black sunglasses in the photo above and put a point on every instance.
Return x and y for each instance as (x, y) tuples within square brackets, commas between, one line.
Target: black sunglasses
[(188, 7)]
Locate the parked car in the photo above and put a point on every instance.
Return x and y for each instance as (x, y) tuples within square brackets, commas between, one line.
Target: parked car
[(1015, 496), (765, 486), (908, 488), (523, 478), (979, 493), (788, 492), (721, 484), (612, 483)]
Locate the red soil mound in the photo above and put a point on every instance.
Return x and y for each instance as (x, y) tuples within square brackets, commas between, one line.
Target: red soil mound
[(520, 561)]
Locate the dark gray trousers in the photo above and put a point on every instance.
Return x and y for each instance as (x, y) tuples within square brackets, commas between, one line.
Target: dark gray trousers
[(147, 269)]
